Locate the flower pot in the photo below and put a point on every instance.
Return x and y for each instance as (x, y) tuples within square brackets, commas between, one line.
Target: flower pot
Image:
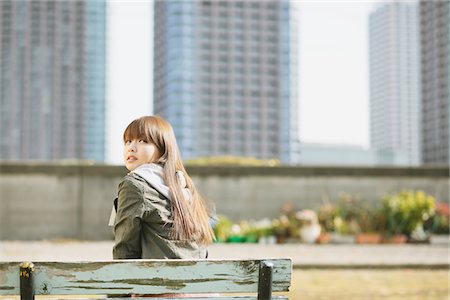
[(368, 238), (310, 233), (324, 238), (395, 239), (236, 239)]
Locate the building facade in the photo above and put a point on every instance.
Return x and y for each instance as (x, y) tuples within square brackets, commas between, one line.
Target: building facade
[(52, 80), (348, 155), (395, 80), (225, 76), (435, 58)]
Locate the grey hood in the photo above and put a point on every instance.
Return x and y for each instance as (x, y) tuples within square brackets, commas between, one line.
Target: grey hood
[(153, 174)]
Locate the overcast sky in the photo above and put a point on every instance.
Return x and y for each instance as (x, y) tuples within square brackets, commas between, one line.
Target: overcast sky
[(333, 78)]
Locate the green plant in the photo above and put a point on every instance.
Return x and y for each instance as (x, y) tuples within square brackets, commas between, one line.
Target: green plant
[(326, 215), (352, 215), (407, 211), (244, 231), (440, 222), (223, 229), (281, 227), (369, 217)]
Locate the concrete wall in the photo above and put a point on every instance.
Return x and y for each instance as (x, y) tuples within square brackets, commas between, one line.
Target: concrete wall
[(74, 201)]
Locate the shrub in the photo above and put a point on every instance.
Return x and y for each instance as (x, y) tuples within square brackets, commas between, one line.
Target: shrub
[(407, 210)]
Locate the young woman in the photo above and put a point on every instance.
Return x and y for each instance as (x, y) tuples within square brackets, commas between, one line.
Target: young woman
[(159, 213)]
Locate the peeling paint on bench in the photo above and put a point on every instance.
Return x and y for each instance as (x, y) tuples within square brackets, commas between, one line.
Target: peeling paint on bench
[(146, 277)]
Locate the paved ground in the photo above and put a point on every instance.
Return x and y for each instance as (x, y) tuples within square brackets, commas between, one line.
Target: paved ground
[(303, 256)]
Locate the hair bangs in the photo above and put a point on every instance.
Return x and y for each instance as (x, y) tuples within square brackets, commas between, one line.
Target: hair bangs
[(135, 131)]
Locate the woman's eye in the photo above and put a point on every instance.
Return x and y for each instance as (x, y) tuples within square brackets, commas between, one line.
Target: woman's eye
[(127, 142), (142, 141)]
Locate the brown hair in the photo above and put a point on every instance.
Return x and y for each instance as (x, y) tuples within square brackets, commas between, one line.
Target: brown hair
[(190, 218)]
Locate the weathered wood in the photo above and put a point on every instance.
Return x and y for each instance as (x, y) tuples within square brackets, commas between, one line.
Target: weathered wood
[(209, 298), (214, 298), (9, 278), (146, 277)]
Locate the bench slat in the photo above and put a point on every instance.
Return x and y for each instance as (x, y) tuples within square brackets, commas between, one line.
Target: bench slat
[(9, 278), (209, 298), (145, 277)]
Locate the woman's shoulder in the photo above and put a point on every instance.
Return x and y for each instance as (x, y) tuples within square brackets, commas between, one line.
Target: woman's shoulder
[(131, 181), (134, 181)]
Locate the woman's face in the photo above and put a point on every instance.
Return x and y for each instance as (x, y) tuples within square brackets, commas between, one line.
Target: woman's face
[(137, 152)]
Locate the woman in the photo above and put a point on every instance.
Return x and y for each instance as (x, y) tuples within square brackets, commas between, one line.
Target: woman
[(159, 213)]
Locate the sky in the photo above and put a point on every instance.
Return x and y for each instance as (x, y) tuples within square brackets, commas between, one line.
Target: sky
[(334, 93), (333, 75), (129, 81)]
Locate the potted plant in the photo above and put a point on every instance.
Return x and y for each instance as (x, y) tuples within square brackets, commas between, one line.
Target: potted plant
[(345, 220), (265, 231), (440, 222), (280, 227), (325, 215), (360, 218), (236, 235), (223, 229), (407, 211), (370, 222), (287, 227)]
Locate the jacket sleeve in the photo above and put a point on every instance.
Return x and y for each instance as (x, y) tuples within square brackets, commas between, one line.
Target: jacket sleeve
[(127, 227)]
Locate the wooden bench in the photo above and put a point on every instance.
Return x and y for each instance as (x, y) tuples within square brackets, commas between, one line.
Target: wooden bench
[(104, 279)]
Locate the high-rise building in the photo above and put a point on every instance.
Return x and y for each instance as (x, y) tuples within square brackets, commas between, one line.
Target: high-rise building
[(52, 79), (435, 56), (395, 80), (225, 76)]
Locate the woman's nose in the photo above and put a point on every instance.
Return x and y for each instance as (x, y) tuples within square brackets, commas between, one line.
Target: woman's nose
[(131, 148)]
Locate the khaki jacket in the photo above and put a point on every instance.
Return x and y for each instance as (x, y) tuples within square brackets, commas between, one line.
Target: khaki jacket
[(143, 223)]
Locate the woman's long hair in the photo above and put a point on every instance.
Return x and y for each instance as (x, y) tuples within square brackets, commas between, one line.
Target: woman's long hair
[(190, 217)]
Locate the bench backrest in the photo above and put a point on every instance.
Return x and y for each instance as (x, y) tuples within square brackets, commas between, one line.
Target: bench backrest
[(147, 277)]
